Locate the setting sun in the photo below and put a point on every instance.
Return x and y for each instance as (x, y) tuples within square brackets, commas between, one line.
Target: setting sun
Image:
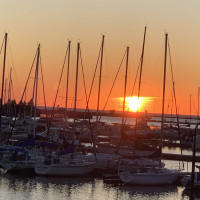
[(133, 103)]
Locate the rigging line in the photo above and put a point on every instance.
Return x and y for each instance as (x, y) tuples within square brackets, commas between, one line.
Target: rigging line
[(33, 94), (13, 63), (134, 86), (171, 64), (87, 103), (124, 102), (169, 102), (172, 103), (67, 81), (57, 90), (9, 84), (75, 92), (78, 54), (83, 76), (87, 107), (12, 89), (28, 78), (2, 45), (173, 81), (11, 92), (3, 78), (140, 76), (36, 89), (125, 88), (84, 84), (100, 77), (20, 103), (113, 83), (45, 105), (175, 96), (136, 78), (141, 66)]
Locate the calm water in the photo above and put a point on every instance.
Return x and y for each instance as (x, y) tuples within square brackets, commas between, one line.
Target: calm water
[(131, 121), (40, 188)]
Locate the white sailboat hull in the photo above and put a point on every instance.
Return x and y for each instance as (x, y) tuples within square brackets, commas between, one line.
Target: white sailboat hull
[(149, 178), (64, 170)]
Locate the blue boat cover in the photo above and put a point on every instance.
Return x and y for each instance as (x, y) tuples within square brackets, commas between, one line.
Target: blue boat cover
[(26, 143), (70, 149)]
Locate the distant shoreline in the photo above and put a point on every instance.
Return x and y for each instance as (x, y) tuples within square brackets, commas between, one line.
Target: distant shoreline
[(111, 113)]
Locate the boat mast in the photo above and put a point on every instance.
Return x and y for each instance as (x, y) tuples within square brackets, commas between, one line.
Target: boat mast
[(67, 85), (102, 46), (142, 56), (2, 87), (125, 84), (163, 97), (76, 83), (36, 87), (124, 101), (140, 78), (34, 90)]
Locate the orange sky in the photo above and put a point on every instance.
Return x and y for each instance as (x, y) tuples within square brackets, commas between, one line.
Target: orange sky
[(51, 23)]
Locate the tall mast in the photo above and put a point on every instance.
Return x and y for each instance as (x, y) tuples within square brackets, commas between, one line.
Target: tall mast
[(32, 111), (99, 91), (36, 87), (140, 78), (68, 63), (163, 98), (125, 83), (76, 82), (142, 56), (124, 102), (4, 65)]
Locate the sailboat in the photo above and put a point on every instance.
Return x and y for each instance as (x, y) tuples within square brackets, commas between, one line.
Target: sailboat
[(66, 162), (18, 157), (66, 165), (152, 175)]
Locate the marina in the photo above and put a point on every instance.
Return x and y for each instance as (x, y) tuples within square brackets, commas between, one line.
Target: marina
[(101, 181), (98, 186), (114, 117)]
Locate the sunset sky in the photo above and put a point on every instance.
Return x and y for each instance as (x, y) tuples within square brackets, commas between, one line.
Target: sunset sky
[(52, 23)]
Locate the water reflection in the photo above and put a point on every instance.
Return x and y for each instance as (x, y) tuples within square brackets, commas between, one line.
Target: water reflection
[(186, 194), (63, 181), (13, 186), (147, 192)]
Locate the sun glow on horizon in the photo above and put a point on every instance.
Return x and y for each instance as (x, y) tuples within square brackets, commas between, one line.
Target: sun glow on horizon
[(134, 103)]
